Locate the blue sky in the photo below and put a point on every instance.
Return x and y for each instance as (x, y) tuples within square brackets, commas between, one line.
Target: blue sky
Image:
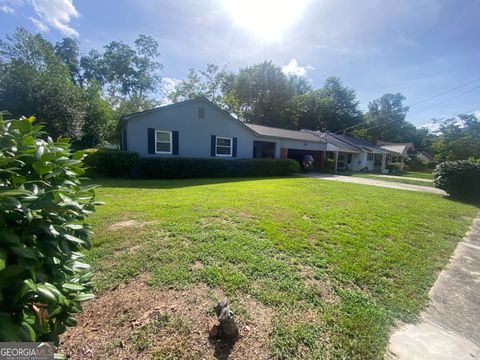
[(417, 47)]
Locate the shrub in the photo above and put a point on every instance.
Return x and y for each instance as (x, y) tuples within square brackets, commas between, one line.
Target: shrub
[(112, 162), (416, 165), (459, 178), (42, 208), (395, 167), (183, 168)]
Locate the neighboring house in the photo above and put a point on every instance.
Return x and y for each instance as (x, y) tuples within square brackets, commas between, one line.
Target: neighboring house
[(425, 156), (198, 128), (356, 154), (403, 151)]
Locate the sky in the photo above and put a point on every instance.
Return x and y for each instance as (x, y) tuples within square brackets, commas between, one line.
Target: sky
[(427, 50)]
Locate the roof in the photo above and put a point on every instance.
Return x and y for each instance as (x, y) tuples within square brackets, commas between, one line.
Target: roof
[(259, 130), (399, 148), (352, 144), (284, 133)]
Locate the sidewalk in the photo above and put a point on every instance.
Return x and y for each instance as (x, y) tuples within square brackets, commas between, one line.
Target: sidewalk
[(450, 326), (374, 182)]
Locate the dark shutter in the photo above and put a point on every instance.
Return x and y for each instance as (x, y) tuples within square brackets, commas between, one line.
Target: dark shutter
[(125, 147), (174, 142), (151, 141), (213, 145), (234, 148)]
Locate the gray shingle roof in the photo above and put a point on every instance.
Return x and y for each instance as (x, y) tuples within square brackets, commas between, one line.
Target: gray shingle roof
[(284, 133)]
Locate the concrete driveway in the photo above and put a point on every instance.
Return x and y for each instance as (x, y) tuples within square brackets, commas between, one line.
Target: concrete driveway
[(449, 329), (374, 182)]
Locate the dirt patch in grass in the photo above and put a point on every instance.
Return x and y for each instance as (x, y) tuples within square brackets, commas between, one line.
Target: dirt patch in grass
[(322, 286), (135, 321), (128, 223)]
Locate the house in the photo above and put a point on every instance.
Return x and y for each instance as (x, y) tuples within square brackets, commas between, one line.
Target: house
[(357, 154), (399, 151), (200, 129)]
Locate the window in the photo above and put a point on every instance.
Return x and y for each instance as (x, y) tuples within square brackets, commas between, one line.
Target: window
[(223, 146), (163, 142), (201, 113), (349, 158), (370, 157)]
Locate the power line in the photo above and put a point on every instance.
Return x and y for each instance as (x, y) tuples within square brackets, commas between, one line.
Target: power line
[(444, 101), (445, 92), (427, 99)]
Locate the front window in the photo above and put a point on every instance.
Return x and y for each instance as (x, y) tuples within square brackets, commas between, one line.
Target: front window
[(370, 157), (349, 158), (163, 142), (223, 146)]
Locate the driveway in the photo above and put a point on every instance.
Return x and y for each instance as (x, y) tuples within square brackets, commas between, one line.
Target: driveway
[(374, 182), (449, 329)]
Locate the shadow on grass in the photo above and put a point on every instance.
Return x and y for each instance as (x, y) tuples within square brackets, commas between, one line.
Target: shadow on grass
[(170, 183)]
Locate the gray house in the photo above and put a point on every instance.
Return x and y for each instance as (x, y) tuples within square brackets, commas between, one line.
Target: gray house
[(199, 128)]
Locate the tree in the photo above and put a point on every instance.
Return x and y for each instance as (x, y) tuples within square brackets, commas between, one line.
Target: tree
[(332, 107), (100, 121), (68, 51), (458, 138), (385, 118), (35, 81), (263, 94), (208, 83), (126, 72)]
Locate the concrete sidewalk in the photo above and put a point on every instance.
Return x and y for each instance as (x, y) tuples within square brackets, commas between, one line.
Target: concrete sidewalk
[(374, 182), (400, 177), (449, 329)]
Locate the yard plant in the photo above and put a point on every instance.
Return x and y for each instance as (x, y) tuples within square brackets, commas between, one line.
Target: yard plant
[(459, 178), (43, 279)]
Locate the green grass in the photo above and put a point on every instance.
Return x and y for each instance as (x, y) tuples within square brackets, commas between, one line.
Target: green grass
[(399, 179), (416, 174), (379, 250)]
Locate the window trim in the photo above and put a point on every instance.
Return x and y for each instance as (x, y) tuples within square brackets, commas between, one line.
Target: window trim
[(231, 146), (164, 142)]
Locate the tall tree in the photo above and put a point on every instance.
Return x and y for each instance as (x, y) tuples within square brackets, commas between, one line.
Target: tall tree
[(458, 138), (127, 72), (332, 107), (385, 118), (35, 81), (208, 83), (263, 94), (68, 51)]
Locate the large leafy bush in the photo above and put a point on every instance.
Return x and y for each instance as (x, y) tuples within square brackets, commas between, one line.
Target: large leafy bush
[(459, 178), (42, 231)]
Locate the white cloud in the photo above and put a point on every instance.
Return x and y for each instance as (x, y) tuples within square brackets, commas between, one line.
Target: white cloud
[(39, 24), (7, 9), (56, 14), (293, 69), (168, 85)]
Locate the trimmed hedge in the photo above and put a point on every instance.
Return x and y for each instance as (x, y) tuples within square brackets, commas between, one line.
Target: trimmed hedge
[(111, 162), (459, 178), (118, 163), (185, 168)]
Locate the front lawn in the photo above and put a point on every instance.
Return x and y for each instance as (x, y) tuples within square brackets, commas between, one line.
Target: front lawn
[(313, 269), (397, 179), (415, 174)]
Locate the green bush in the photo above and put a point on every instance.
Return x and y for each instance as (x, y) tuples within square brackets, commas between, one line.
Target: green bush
[(184, 168), (416, 165), (394, 167), (111, 162), (42, 231), (459, 178)]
